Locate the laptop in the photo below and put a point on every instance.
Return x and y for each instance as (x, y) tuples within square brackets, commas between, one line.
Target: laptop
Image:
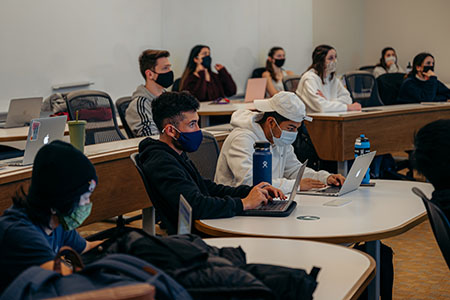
[(353, 180), (41, 132), (22, 111), (184, 216), (256, 89), (279, 208)]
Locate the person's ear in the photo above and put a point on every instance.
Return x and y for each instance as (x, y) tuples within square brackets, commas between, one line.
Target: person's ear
[(170, 131), (149, 74)]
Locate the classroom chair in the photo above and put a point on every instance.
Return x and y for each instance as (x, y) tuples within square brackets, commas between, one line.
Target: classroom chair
[(389, 87), (176, 85), (363, 88), (205, 158), (122, 105), (257, 73), (367, 68), (290, 82)]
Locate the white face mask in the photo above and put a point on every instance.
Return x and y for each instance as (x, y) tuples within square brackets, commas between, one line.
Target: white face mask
[(390, 58), (286, 138), (331, 67)]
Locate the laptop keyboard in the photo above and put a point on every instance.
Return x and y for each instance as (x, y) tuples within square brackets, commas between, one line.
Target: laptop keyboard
[(274, 205), (331, 190)]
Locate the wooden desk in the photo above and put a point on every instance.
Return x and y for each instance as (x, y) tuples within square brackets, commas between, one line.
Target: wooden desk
[(374, 213), (344, 273), (389, 129), (207, 109)]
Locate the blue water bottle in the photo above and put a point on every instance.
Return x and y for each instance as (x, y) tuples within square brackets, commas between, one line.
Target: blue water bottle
[(262, 163), (362, 146)]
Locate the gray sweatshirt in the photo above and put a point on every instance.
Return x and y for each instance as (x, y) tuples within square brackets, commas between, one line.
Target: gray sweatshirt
[(139, 113)]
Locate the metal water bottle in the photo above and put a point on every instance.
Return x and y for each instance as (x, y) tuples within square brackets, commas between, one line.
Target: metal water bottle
[(362, 146), (262, 163)]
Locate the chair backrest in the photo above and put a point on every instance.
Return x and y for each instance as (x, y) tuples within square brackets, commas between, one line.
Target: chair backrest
[(257, 73), (205, 158), (122, 105), (137, 163), (290, 82), (439, 224), (176, 85), (389, 87), (97, 109), (367, 68), (363, 88)]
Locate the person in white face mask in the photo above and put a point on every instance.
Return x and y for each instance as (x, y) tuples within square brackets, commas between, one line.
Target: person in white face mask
[(319, 88), (277, 122), (388, 63)]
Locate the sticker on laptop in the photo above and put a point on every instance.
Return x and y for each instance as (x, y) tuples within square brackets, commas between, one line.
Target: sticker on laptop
[(34, 130)]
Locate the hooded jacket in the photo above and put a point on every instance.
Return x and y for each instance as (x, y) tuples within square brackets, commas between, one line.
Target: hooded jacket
[(139, 113), (235, 164), (170, 175)]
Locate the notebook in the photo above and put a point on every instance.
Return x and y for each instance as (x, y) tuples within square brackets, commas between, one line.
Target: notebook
[(353, 180), (41, 132), (22, 111), (256, 89), (279, 208)]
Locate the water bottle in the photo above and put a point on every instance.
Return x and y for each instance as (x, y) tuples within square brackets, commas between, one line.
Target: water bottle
[(262, 163), (408, 67), (362, 146)]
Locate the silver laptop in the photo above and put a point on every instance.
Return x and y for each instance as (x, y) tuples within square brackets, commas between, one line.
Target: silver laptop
[(353, 180), (22, 111), (184, 216), (279, 208), (41, 132)]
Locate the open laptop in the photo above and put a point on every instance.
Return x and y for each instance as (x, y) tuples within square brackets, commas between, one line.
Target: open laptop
[(41, 132), (22, 111), (279, 208), (184, 216), (353, 180), (256, 89)]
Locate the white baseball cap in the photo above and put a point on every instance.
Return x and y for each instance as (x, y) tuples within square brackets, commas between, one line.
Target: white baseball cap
[(287, 104)]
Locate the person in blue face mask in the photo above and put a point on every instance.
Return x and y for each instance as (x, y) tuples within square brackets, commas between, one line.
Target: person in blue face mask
[(44, 219), (277, 122), (170, 173)]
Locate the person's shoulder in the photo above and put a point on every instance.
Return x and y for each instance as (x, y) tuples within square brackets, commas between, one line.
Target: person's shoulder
[(265, 74), (242, 135)]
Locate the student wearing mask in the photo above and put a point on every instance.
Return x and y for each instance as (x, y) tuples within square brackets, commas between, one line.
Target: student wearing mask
[(171, 173), (320, 89), (157, 71), (275, 72), (199, 79), (42, 221), (277, 122), (388, 63), (422, 84)]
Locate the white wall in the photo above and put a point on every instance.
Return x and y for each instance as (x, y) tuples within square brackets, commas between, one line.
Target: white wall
[(48, 42)]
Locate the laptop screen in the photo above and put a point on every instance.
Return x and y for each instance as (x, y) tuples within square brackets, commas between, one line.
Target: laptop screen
[(184, 217)]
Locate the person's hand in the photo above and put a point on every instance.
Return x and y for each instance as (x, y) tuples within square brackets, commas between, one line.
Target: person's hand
[(218, 67), (273, 192), (308, 183), (319, 93), (257, 196), (429, 74), (390, 63), (354, 107), (336, 179)]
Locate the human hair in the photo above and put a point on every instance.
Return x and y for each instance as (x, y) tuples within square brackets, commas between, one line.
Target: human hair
[(430, 156), (318, 61), (37, 215), (417, 62), (382, 62), (170, 106), (191, 64), (269, 64), (148, 60), (279, 118)]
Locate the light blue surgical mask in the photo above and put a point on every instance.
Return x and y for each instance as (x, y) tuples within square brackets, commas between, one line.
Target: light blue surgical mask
[(286, 138)]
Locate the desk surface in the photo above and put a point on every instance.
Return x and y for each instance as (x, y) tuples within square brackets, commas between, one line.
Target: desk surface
[(208, 109), (388, 209), (344, 272)]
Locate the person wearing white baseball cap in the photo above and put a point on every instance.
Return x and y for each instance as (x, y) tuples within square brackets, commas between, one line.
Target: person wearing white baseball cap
[(277, 122)]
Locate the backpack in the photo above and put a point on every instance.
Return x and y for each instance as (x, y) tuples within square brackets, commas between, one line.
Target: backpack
[(112, 271)]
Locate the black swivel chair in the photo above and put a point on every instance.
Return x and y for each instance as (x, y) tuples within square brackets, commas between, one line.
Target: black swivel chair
[(290, 82), (367, 68), (98, 110), (205, 158), (389, 87), (363, 88), (122, 105), (257, 73), (439, 223), (176, 85)]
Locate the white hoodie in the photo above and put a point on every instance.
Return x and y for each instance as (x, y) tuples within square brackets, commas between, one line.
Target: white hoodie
[(336, 95), (235, 164)]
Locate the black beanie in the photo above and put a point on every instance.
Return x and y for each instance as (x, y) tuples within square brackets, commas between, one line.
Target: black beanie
[(61, 174)]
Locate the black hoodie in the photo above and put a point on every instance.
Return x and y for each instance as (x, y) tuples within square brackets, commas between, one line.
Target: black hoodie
[(171, 174)]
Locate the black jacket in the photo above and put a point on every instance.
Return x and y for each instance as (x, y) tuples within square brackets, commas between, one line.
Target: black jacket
[(170, 175), (414, 90), (442, 199)]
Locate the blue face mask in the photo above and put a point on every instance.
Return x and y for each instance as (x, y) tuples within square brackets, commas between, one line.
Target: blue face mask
[(206, 61), (190, 141), (286, 138)]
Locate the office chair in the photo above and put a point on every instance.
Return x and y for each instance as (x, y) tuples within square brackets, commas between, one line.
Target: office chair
[(367, 68), (257, 73), (176, 85), (363, 88), (205, 158), (439, 224), (122, 105), (97, 109), (290, 82), (389, 87)]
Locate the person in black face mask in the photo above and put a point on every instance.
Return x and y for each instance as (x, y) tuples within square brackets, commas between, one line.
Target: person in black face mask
[(199, 79), (275, 72), (422, 84), (157, 71)]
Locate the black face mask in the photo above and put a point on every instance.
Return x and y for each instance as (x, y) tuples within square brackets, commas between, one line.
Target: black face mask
[(279, 62), (206, 61), (165, 79), (428, 68)]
